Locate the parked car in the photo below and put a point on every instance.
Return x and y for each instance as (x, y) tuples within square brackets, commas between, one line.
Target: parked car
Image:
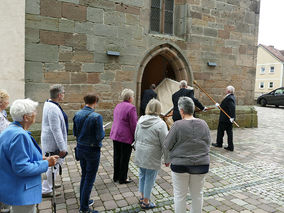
[(275, 97)]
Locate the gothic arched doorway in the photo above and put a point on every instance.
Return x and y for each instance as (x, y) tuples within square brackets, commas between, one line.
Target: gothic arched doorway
[(163, 61)]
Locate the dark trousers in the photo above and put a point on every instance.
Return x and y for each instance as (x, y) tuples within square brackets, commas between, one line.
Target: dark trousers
[(121, 156), (89, 162), (228, 127)]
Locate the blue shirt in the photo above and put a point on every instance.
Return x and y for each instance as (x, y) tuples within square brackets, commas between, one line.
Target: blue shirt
[(88, 130)]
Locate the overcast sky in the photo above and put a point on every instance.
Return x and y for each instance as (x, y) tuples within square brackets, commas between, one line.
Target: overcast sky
[(271, 23)]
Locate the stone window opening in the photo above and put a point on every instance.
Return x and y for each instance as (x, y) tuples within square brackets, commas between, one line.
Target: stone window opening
[(272, 69), (162, 15), (261, 85), (271, 85)]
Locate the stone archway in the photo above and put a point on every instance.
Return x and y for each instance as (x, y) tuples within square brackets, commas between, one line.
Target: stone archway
[(172, 57)]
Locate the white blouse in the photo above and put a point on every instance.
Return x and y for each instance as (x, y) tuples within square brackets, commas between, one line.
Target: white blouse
[(4, 123)]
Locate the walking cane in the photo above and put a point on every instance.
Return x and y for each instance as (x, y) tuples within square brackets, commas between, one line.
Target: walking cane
[(53, 191), (215, 102)]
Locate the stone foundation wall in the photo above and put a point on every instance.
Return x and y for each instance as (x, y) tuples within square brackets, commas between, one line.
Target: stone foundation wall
[(67, 40), (246, 117)]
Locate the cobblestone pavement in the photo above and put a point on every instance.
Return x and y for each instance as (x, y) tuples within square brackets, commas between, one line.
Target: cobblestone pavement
[(250, 179)]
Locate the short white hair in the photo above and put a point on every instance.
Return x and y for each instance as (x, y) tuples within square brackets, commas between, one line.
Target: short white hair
[(186, 104), (126, 94), (183, 83), (231, 89), (22, 107)]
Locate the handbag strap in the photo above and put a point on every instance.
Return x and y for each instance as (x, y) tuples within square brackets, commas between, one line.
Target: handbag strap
[(79, 129)]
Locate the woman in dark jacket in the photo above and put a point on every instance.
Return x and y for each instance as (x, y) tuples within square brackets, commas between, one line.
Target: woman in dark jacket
[(89, 132)]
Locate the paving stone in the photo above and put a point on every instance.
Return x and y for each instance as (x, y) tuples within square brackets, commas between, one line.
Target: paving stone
[(247, 180)]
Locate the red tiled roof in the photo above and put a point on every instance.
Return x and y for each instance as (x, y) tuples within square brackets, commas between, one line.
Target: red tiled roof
[(277, 53)]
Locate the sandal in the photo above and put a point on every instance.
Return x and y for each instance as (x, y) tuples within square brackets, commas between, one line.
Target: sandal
[(150, 205), (141, 200)]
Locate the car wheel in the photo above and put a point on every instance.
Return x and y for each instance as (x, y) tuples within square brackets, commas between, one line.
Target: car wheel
[(263, 102), (276, 105)]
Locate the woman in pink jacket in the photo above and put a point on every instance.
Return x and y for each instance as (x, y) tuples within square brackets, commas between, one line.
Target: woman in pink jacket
[(122, 134)]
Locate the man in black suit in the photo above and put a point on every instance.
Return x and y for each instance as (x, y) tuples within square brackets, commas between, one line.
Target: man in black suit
[(225, 124), (147, 96), (183, 91)]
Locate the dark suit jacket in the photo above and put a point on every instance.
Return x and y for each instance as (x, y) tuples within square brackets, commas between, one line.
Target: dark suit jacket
[(180, 93), (229, 106), (147, 96)]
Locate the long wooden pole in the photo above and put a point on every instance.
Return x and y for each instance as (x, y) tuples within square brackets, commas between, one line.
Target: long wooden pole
[(214, 102)]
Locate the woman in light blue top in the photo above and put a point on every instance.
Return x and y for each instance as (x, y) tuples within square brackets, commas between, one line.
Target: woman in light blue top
[(21, 161)]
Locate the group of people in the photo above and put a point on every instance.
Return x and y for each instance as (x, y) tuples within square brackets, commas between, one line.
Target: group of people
[(185, 147)]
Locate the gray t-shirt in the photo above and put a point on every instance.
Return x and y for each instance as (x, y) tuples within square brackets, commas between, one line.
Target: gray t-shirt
[(188, 143)]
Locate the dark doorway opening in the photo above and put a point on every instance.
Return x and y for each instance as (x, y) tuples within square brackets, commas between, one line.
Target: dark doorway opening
[(155, 71)]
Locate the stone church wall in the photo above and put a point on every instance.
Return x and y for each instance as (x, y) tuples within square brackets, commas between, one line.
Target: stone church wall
[(67, 41)]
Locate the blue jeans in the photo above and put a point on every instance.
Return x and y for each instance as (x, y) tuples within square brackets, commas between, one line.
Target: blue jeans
[(89, 162), (147, 179)]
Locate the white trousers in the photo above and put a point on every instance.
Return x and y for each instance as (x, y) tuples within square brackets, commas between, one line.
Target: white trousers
[(182, 182), (47, 184), (24, 209)]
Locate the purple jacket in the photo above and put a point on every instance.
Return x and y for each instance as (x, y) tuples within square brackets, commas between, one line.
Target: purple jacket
[(124, 122)]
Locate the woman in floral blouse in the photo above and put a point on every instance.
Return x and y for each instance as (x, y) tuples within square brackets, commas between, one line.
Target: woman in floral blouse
[(4, 102)]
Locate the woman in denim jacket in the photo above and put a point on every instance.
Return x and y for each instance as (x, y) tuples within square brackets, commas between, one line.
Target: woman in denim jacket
[(89, 132)]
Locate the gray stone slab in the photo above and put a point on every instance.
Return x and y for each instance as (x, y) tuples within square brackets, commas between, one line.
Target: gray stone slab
[(96, 43), (93, 67), (208, 3), (85, 27), (105, 30), (95, 15), (103, 58), (52, 67), (131, 19), (33, 6), (114, 18), (37, 91), (33, 71), (210, 32), (41, 22), (41, 52), (71, 1), (136, 3), (31, 35), (108, 75), (66, 25)]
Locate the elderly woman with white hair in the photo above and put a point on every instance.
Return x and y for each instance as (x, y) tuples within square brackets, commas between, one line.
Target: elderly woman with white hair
[(150, 134), (188, 145), (21, 161), (4, 102), (122, 134)]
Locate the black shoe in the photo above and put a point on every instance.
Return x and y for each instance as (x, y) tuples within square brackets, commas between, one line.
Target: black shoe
[(126, 181), (89, 211), (216, 145), (229, 149), (114, 180), (91, 202)]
